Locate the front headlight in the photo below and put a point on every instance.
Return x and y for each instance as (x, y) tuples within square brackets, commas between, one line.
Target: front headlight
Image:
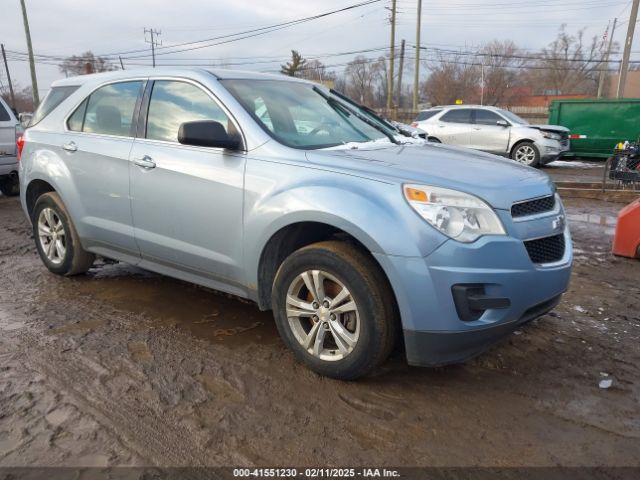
[(458, 215), (552, 136)]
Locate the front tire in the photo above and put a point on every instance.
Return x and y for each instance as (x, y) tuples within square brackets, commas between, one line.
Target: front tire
[(56, 238), (526, 153), (10, 185), (334, 309)]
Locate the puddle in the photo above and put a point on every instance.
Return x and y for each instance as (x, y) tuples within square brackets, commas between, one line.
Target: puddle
[(607, 221), (202, 312), (604, 220)]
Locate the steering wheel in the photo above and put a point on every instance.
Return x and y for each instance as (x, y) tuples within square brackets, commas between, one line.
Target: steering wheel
[(324, 126)]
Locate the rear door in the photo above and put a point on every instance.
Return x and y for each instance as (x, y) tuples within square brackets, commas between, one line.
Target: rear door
[(487, 135), (187, 200), (7, 135), (454, 127), (96, 148)]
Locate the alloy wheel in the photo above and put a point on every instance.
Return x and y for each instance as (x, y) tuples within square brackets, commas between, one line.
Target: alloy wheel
[(525, 154), (323, 315), (52, 236)]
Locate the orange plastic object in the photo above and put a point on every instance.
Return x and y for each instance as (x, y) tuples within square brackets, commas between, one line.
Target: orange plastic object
[(626, 242)]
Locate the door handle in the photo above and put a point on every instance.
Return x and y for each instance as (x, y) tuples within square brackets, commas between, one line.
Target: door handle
[(477, 128), (70, 147), (145, 162)]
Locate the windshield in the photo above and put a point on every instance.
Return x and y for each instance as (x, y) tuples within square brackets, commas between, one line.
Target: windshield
[(514, 118), (302, 116)]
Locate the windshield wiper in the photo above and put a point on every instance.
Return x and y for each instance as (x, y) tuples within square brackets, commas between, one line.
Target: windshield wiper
[(337, 103)]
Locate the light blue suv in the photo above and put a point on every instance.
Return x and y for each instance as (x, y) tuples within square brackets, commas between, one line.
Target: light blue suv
[(289, 194)]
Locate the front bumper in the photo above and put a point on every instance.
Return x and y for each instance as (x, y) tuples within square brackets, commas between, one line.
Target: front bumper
[(551, 150), (433, 331)]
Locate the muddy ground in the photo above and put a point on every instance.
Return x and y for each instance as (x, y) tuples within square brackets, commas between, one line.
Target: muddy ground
[(123, 367)]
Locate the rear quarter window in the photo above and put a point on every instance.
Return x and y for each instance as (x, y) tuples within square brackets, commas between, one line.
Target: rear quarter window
[(55, 97), (461, 115), (427, 114)]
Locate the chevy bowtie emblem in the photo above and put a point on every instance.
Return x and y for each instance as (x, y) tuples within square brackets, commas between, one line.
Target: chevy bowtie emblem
[(558, 223)]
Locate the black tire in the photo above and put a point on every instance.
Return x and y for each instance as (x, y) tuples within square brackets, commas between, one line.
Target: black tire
[(10, 185), (75, 260), (521, 147), (359, 273)]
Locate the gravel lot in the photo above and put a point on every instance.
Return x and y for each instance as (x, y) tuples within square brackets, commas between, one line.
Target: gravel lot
[(124, 367)]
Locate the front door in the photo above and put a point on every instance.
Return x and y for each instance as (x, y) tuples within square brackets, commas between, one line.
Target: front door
[(186, 200), (487, 135)]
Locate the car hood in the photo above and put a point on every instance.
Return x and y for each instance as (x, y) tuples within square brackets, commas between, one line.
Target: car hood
[(497, 180)]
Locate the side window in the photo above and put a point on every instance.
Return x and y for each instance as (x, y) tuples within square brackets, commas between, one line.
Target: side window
[(109, 110), (4, 115), (76, 120), (426, 114), (173, 103), (485, 117), (457, 115)]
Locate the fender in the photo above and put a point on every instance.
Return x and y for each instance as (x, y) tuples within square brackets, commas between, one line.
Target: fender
[(375, 221), (47, 166)]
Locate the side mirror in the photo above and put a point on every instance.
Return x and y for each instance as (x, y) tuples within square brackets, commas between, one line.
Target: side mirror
[(502, 123), (206, 133)]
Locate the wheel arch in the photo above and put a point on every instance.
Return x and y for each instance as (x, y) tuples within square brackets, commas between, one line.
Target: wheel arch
[(293, 236), (35, 189), (519, 142)]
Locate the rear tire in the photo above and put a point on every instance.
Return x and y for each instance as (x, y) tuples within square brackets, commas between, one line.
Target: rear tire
[(526, 153), (10, 185), (334, 309), (56, 238)]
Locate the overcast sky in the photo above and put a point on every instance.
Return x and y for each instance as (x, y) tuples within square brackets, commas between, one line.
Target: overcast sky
[(68, 27)]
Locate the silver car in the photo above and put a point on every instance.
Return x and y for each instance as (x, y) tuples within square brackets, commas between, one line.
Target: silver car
[(283, 192), (10, 131), (494, 130)]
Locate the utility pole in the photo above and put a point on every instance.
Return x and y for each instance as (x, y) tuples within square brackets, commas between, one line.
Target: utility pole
[(6, 66), (153, 41), (416, 70), (624, 67), (400, 69), (605, 61), (482, 82), (32, 64), (121, 64), (391, 56)]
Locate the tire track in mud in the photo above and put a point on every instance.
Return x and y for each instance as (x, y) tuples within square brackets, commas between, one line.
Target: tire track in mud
[(155, 435)]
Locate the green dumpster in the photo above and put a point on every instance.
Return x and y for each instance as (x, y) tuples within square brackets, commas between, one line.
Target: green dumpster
[(596, 126)]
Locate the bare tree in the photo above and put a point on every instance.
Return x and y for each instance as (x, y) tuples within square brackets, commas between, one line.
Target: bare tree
[(84, 64), (317, 71), (24, 99), (501, 62), (363, 78), (452, 78), (567, 65)]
